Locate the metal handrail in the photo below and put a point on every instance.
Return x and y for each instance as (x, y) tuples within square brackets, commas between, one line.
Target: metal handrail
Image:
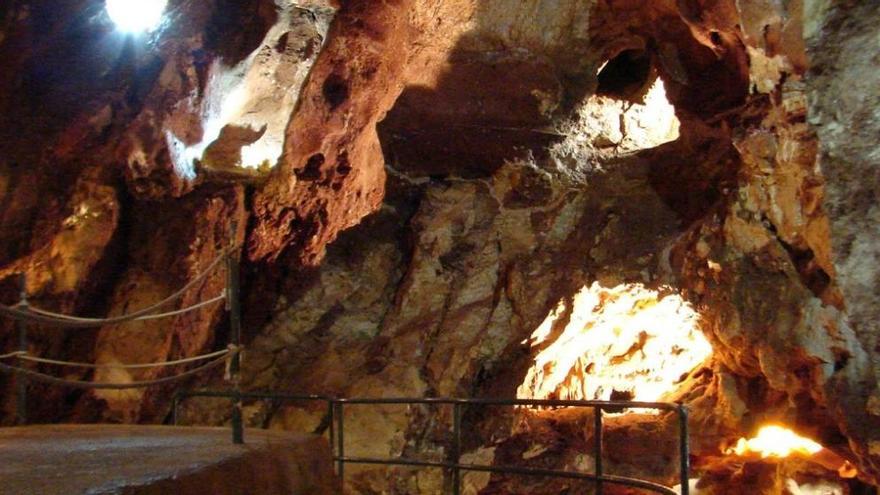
[(335, 412)]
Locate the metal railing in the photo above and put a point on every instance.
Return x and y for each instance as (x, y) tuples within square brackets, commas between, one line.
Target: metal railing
[(335, 420)]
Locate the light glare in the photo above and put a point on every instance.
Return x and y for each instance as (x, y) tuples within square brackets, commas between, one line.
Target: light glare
[(775, 441), (135, 16)]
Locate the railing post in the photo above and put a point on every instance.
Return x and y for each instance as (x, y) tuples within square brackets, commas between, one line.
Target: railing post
[(330, 414), (234, 307), (21, 379), (340, 442), (597, 447), (456, 448), (684, 449)]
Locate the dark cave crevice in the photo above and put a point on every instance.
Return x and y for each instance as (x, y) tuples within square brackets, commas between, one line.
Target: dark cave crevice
[(626, 76)]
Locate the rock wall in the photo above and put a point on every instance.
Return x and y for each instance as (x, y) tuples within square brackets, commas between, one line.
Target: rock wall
[(96, 211), (496, 210), (843, 110), (451, 171)]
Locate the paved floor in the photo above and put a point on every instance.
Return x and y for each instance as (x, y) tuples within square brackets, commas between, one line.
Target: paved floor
[(142, 460)]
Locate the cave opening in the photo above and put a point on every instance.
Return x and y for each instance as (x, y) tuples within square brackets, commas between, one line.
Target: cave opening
[(136, 17)]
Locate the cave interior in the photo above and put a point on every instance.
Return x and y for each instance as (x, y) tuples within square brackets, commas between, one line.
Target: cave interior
[(600, 200)]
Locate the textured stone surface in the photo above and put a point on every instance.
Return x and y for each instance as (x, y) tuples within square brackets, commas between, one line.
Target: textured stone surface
[(844, 111), (75, 219), (331, 173), (166, 254), (778, 477), (62, 264), (497, 157)]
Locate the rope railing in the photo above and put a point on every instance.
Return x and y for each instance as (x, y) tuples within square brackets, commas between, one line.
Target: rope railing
[(25, 312), (24, 356), (43, 377), (156, 316)]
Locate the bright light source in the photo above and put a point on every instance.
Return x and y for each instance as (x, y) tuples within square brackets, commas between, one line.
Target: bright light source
[(135, 16), (775, 441)]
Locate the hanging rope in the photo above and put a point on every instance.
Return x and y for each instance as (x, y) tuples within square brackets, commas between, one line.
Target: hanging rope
[(181, 311), (24, 312), (42, 377), (34, 359)]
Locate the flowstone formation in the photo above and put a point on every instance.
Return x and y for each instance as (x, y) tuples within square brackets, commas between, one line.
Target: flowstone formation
[(434, 198)]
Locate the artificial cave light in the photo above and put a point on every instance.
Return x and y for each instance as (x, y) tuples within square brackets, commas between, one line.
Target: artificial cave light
[(135, 16), (625, 342), (775, 441), (779, 442)]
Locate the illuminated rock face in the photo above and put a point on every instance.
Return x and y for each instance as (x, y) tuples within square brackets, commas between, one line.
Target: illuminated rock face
[(223, 116), (479, 162), (257, 95), (617, 343)]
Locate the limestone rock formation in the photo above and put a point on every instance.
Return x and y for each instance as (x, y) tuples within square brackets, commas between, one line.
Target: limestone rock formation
[(452, 174), (843, 109)]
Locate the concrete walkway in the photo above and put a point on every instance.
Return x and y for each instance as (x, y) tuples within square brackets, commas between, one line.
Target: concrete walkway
[(141, 460)]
